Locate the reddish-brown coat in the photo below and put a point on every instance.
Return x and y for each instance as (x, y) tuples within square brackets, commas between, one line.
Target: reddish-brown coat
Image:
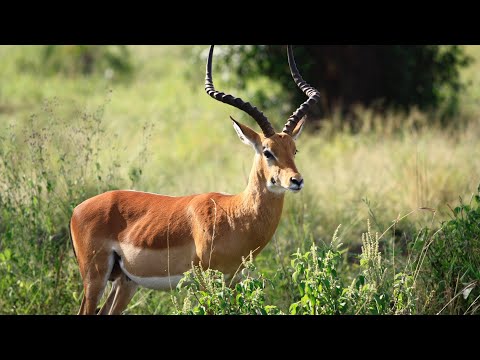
[(156, 235)]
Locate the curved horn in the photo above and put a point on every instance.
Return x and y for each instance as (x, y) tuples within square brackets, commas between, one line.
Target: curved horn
[(236, 102), (312, 93)]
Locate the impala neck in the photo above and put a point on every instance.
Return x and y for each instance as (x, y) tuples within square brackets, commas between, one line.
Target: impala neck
[(258, 200)]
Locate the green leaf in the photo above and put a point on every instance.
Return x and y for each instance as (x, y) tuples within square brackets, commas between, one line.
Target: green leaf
[(360, 281), (293, 308), (301, 288), (327, 283), (295, 276)]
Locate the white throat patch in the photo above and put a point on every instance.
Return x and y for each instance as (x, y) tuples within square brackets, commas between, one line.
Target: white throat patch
[(274, 188)]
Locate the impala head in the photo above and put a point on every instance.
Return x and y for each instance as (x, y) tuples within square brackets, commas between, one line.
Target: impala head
[(275, 152)]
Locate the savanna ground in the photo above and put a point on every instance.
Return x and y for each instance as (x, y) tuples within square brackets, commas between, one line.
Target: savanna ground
[(65, 138)]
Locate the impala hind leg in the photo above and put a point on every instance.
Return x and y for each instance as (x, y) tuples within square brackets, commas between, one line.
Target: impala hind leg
[(121, 293), (124, 291), (95, 279), (111, 296), (115, 278)]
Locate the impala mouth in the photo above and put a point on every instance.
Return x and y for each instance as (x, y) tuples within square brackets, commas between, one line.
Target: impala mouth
[(276, 187), (295, 189)]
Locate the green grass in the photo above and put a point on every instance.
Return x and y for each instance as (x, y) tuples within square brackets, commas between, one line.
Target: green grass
[(65, 138)]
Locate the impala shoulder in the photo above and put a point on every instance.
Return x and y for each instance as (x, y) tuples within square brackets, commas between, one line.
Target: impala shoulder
[(211, 205), (213, 198)]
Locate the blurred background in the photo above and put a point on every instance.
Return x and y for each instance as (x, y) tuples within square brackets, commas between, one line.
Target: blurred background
[(396, 132)]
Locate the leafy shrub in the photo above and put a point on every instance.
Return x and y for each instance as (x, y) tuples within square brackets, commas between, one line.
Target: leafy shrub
[(321, 290), (207, 293), (453, 261), (373, 291)]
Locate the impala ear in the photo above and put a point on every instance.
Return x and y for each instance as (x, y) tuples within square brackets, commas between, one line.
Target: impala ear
[(247, 135), (298, 129)]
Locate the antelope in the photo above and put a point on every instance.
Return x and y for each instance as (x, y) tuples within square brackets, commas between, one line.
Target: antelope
[(135, 238)]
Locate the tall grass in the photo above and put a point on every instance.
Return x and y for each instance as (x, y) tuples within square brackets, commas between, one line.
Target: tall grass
[(48, 166), (65, 138)]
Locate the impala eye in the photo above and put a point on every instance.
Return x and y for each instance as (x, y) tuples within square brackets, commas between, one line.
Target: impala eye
[(268, 154)]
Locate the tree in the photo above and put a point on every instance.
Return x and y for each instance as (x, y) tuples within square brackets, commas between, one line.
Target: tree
[(389, 76)]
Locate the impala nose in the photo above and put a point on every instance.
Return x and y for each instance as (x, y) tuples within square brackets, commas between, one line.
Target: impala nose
[(297, 184)]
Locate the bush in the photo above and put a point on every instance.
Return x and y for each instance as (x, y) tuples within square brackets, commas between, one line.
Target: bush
[(398, 76), (207, 293), (452, 264), (320, 287), (375, 290)]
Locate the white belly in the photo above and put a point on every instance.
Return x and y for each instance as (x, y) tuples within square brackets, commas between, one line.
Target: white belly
[(154, 269), (154, 282)]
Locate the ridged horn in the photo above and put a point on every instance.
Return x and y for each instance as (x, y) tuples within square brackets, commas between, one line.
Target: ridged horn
[(312, 93), (256, 114)]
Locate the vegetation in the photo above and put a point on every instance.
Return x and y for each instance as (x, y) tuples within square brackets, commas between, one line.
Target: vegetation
[(112, 61), (453, 260), (407, 243), (400, 76)]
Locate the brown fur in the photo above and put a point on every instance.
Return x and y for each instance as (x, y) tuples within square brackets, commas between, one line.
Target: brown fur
[(158, 235)]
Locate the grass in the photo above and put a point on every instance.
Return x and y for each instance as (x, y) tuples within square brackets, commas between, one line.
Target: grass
[(160, 132)]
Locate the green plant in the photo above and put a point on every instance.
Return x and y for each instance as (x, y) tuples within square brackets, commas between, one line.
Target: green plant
[(317, 281), (207, 293), (453, 261), (47, 167), (375, 290)]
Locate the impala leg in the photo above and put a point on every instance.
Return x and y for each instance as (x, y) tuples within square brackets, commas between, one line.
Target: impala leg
[(109, 302), (125, 290), (82, 306), (94, 282), (115, 277)]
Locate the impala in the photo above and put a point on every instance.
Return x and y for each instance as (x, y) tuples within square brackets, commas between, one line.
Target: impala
[(136, 238)]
